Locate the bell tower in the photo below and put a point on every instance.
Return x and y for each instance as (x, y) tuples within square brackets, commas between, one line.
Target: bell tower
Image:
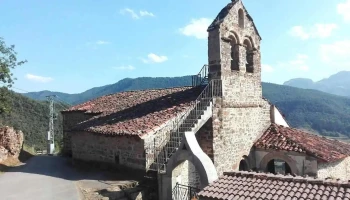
[(241, 114), (234, 54)]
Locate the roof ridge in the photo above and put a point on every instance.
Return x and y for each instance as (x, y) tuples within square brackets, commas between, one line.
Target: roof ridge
[(309, 134), (122, 92), (289, 178)]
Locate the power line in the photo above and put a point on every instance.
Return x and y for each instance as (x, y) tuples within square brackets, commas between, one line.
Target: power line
[(62, 101), (15, 88)]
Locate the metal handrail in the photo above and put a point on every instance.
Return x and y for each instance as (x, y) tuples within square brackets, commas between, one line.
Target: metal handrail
[(202, 77), (183, 192)]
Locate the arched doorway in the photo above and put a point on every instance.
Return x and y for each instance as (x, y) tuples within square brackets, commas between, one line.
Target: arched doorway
[(278, 166), (185, 181), (185, 174), (203, 165)]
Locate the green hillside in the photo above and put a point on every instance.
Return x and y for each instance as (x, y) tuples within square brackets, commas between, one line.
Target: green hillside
[(325, 113), (31, 117)]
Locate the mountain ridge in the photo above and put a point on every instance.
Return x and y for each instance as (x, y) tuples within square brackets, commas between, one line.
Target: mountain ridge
[(338, 84)]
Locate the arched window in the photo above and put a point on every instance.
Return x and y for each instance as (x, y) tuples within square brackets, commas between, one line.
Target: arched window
[(241, 18), (234, 54), (278, 166), (249, 56), (243, 166)]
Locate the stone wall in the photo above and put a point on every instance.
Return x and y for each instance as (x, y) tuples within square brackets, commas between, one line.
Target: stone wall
[(235, 131), (277, 117), (70, 119), (118, 150), (241, 115), (185, 174), (339, 169), (205, 138)]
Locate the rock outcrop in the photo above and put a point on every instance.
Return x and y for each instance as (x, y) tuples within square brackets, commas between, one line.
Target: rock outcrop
[(11, 142)]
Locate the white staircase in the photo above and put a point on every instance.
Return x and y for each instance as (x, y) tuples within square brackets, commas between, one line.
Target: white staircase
[(192, 120)]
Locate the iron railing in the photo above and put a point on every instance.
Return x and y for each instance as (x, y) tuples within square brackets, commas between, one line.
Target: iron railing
[(166, 143), (201, 78), (184, 192)]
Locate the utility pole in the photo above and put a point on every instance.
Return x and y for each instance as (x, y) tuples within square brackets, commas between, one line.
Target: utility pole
[(51, 133)]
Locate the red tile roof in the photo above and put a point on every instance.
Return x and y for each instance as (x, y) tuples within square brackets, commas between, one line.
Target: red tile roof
[(251, 185), (135, 112), (291, 139)]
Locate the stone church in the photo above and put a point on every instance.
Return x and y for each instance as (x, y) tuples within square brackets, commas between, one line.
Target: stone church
[(205, 135)]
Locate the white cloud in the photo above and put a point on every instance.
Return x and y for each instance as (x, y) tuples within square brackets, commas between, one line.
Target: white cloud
[(315, 31), (36, 78), (127, 67), (134, 15), (197, 28), (153, 58), (336, 54), (344, 10), (144, 13), (131, 12), (299, 63), (267, 68), (102, 42)]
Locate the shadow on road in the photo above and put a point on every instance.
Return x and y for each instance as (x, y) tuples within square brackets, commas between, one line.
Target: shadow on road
[(61, 167)]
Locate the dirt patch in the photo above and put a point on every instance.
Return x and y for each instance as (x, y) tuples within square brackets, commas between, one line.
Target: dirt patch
[(118, 189), (113, 190)]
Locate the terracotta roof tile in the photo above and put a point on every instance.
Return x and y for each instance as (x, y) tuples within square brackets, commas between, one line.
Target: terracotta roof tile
[(289, 139), (221, 188), (135, 112)]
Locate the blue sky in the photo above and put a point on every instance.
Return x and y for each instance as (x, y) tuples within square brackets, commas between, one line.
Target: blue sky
[(72, 46)]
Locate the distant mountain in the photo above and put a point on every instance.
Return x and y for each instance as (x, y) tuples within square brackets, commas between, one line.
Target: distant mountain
[(122, 85), (312, 110), (338, 84)]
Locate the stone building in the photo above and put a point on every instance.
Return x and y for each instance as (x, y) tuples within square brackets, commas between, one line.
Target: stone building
[(193, 135)]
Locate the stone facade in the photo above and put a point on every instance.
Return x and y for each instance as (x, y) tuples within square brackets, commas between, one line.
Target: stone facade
[(70, 119), (116, 150), (185, 174), (241, 115), (205, 138), (339, 169)]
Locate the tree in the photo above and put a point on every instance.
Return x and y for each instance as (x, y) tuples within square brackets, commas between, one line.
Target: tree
[(8, 61)]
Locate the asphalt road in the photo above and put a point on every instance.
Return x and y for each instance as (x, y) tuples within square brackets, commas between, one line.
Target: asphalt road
[(41, 178)]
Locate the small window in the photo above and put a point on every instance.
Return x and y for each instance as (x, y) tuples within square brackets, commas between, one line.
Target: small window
[(278, 166), (116, 159), (241, 18), (234, 57), (243, 166)]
